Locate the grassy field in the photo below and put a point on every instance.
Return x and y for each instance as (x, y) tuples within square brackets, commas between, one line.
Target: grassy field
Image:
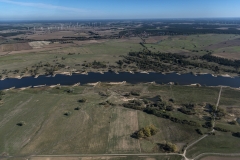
[(54, 122), (181, 44), (220, 143)]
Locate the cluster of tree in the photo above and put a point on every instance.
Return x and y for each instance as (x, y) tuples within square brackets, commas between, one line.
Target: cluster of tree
[(177, 28), (208, 124), (218, 112), (188, 109), (163, 114), (237, 134), (153, 61), (164, 62), (168, 147), (134, 104), (95, 64), (222, 61), (145, 132), (107, 103), (222, 129)]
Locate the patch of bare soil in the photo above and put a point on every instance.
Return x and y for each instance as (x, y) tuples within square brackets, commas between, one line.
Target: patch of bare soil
[(230, 43), (38, 44), (14, 47), (90, 42)]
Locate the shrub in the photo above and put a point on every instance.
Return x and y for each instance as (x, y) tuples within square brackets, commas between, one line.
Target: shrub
[(134, 93), (77, 108), (221, 129), (199, 131), (21, 123), (82, 100), (67, 113), (2, 93), (237, 134), (169, 147), (171, 100)]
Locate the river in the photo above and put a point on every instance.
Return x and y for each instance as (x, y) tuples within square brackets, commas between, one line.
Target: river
[(184, 79)]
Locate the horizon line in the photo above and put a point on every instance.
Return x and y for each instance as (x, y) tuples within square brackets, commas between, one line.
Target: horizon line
[(85, 19)]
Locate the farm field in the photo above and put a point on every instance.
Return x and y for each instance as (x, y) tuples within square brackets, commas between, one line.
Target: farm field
[(55, 121)]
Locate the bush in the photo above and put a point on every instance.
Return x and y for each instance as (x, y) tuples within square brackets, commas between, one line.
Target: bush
[(168, 147), (67, 113), (199, 131), (77, 108), (221, 129), (171, 100), (2, 93), (134, 93), (82, 100), (233, 122), (237, 134), (21, 123)]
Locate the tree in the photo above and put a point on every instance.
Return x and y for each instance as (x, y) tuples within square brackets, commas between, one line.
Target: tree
[(147, 131)]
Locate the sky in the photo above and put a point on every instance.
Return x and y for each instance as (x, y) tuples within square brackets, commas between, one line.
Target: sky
[(116, 9)]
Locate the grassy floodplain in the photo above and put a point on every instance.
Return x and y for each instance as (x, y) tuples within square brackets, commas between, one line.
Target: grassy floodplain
[(55, 122), (108, 51)]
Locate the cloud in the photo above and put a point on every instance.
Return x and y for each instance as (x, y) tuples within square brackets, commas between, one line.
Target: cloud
[(43, 5)]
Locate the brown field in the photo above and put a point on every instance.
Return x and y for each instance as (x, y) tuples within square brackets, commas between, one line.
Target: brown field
[(227, 55), (14, 47), (229, 43), (220, 158), (124, 124), (55, 35)]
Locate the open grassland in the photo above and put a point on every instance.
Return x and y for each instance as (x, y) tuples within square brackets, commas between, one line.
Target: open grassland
[(185, 44), (220, 143), (187, 94), (54, 122), (168, 131)]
